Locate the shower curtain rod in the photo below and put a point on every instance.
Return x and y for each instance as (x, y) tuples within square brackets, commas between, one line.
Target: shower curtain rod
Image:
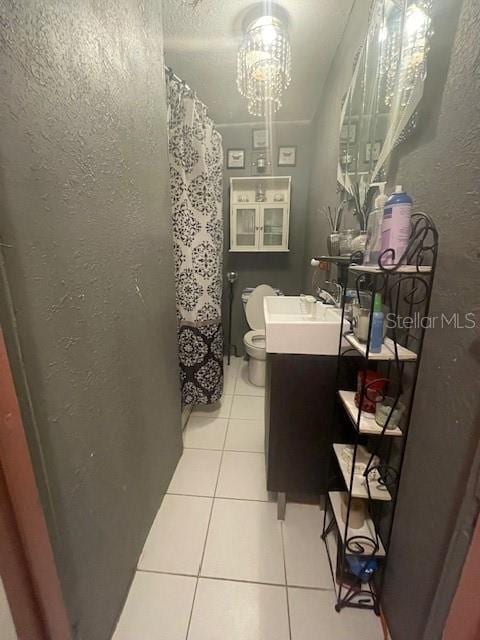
[(169, 71)]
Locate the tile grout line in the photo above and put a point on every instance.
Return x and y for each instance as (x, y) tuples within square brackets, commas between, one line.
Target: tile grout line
[(202, 414), (191, 609), (242, 581), (206, 536), (197, 495), (228, 450), (250, 395), (282, 532)]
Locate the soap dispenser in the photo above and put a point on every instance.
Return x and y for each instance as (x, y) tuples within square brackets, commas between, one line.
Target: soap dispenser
[(374, 227)]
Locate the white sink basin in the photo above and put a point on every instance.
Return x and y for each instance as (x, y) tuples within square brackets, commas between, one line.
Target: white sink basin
[(290, 330)]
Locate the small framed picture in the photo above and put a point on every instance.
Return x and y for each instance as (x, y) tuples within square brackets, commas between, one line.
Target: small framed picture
[(235, 158), (260, 139), (372, 151), (287, 156), (348, 133)]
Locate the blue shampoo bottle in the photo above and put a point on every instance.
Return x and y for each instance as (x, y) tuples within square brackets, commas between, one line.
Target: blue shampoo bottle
[(376, 334)]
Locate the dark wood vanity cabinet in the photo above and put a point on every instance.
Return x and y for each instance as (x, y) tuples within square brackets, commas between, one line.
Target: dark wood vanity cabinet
[(299, 429)]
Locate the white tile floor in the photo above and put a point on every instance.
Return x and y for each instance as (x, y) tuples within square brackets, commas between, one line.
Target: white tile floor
[(217, 564)]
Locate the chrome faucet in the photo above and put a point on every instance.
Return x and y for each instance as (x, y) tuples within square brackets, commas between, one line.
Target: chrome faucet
[(327, 298)]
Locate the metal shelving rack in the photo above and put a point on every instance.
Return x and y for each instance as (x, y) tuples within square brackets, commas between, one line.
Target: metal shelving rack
[(406, 291)]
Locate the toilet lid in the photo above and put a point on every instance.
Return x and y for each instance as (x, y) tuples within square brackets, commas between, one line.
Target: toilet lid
[(254, 306)]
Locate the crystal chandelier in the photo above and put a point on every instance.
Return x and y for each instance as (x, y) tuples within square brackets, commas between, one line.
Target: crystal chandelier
[(263, 65)]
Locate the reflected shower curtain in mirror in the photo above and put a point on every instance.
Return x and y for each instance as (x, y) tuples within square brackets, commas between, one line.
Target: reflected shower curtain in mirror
[(196, 161)]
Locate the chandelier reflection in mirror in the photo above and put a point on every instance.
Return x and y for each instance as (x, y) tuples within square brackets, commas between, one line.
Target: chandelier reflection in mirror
[(416, 39), (404, 47), (264, 65), (381, 107)]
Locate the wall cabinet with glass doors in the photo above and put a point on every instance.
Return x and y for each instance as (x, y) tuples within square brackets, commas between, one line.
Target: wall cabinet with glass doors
[(259, 213)]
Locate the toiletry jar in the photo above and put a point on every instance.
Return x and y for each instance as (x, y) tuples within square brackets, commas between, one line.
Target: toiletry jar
[(374, 385), (383, 409)]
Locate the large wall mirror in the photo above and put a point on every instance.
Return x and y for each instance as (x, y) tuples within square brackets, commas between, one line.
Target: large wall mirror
[(380, 107)]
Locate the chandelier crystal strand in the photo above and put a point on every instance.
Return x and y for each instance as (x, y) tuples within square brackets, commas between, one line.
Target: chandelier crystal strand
[(264, 63)]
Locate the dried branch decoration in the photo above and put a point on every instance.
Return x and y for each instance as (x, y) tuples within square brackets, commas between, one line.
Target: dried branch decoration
[(334, 216)]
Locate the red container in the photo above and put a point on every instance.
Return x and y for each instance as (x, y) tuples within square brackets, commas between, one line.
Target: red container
[(374, 384)]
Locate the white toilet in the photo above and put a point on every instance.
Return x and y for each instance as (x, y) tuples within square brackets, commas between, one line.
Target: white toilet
[(254, 340)]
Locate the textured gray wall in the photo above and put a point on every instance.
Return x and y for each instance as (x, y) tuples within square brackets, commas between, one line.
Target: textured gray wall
[(282, 270), (440, 167), (85, 211), (323, 178)]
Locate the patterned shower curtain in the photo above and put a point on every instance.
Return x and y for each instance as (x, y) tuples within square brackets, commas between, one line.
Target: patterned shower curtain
[(196, 161)]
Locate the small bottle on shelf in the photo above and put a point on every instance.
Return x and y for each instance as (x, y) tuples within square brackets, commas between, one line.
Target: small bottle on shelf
[(374, 228), (376, 335), (260, 193)]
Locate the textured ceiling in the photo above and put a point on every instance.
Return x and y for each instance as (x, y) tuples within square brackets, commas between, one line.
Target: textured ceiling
[(201, 44)]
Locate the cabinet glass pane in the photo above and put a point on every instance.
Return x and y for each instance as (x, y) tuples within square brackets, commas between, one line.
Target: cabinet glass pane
[(245, 231), (273, 226)]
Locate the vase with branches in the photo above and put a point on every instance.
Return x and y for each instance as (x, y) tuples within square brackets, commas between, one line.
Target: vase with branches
[(362, 200), (334, 215)]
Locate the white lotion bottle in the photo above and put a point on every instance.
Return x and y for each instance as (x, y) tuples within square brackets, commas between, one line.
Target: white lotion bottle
[(396, 226), (374, 228)]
